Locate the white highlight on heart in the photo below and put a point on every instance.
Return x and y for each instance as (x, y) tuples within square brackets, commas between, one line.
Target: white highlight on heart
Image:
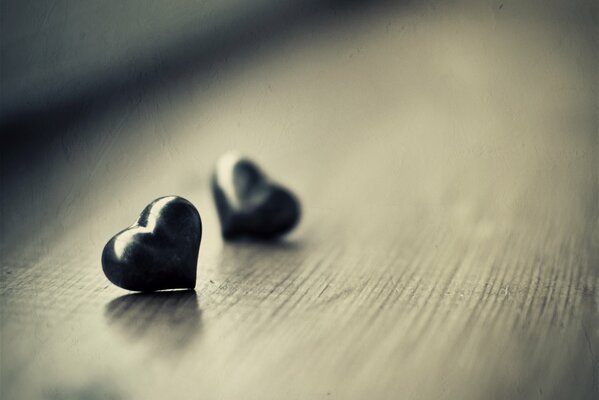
[(126, 236), (225, 176)]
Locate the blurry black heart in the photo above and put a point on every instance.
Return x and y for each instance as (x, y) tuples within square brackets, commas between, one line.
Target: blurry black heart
[(159, 251), (248, 203)]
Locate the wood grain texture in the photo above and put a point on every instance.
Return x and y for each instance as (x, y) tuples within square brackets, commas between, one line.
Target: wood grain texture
[(446, 159)]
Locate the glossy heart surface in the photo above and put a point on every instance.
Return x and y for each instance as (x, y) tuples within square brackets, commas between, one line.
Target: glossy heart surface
[(248, 203), (159, 251)]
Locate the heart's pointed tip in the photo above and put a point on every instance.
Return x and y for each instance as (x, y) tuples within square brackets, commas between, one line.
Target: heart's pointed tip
[(191, 287)]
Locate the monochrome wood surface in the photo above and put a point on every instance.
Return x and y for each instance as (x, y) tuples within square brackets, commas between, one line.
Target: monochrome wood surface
[(445, 157)]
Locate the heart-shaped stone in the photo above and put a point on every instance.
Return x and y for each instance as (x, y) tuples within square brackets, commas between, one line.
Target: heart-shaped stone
[(159, 251), (248, 203)]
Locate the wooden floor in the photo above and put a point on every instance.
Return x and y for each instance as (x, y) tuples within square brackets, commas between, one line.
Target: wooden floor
[(446, 160)]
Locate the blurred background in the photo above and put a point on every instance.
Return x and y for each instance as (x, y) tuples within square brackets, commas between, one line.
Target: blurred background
[(420, 135), (94, 92)]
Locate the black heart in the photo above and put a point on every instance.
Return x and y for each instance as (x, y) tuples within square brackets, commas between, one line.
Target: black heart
[(159, 251), (248, 203)]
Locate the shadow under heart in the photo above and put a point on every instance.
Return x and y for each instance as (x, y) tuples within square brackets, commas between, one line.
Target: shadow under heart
[(167, 321)]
